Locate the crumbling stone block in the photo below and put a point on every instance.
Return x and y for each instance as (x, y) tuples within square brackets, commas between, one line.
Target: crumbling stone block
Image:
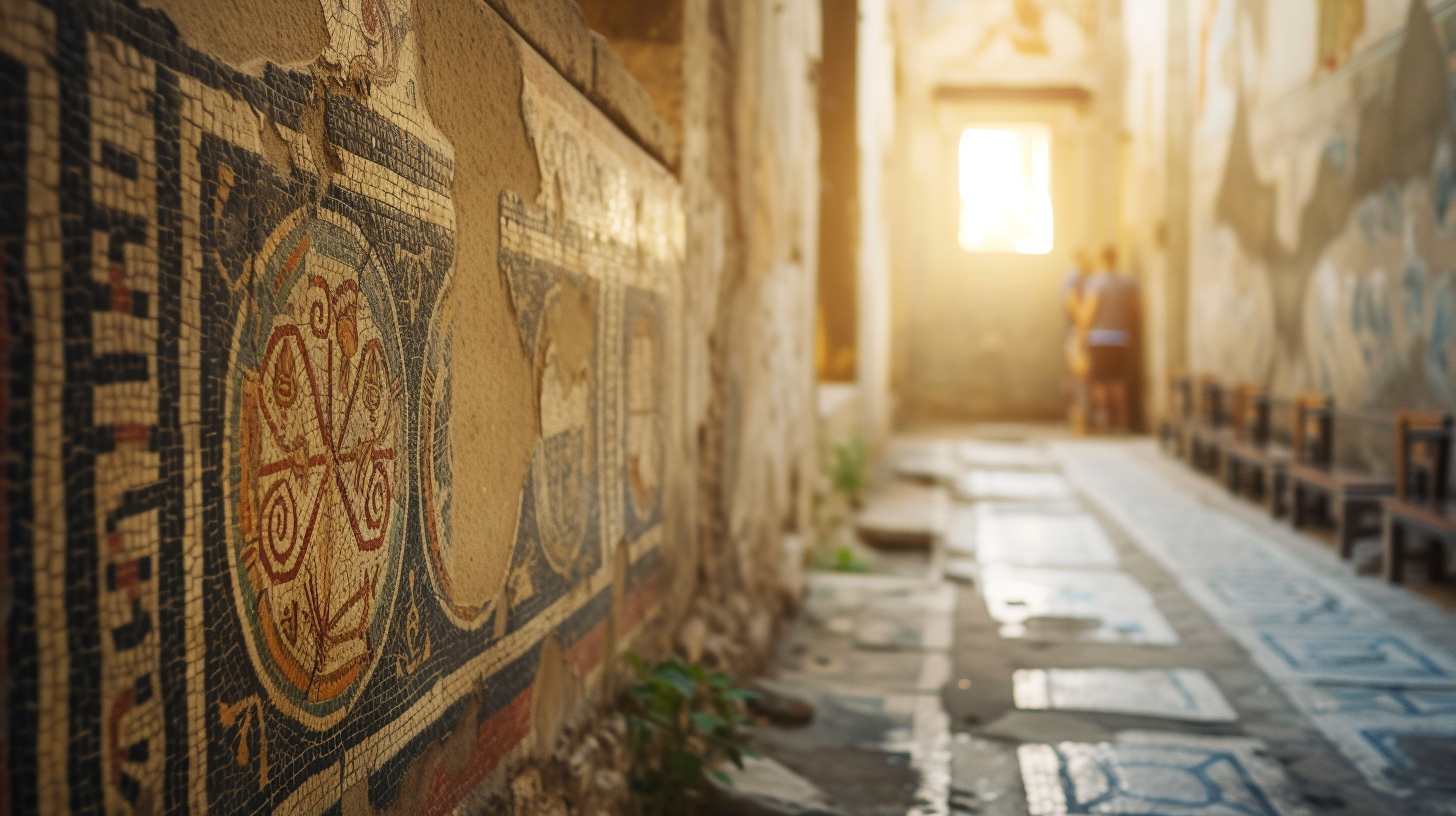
[(623, 98), (557, 29)]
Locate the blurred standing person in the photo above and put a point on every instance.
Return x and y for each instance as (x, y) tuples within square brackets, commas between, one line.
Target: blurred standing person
[(1109, 316), (1077, 365)]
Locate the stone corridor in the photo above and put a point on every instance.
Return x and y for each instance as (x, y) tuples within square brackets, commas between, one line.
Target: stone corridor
[(1095, 629), (443, 407)]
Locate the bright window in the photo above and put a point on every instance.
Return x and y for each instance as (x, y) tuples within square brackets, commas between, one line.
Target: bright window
[(1006, 183)]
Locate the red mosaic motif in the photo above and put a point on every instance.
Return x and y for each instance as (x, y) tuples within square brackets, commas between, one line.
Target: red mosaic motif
[(319, 474)]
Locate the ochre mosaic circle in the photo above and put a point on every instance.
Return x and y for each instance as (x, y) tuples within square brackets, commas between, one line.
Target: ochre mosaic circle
[(468, 579), (317, 487), (644, 417), (563, 468)]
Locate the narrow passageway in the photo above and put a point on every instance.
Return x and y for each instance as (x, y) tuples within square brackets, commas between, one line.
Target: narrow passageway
[(1093, 628), (526, 407)]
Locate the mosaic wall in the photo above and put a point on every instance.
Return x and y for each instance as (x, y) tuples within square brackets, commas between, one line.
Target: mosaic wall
[(236, 574), (1322, 184)]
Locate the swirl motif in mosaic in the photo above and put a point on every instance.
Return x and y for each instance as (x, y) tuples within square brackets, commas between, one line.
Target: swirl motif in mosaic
[(317, 495)]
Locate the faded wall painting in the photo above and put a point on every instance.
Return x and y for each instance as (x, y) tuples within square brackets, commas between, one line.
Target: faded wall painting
[(237, 577), (1017, 42), (1324, 244)]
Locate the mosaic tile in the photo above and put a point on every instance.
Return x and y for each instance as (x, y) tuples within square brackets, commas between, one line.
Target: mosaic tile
[(1197, 549), (904, 511), (985, 777), (844, 667), (1004, 455), (1158, 775), (1363, 701), (1393, 735), (1342, 655), (962, 569), (1361, 678), (1011, 485), (882, 612), (908, 728), (894, 634), (901, 634), (1184, 535), (960, 529), (1276, 595), (1091, 605), (849, 668), (928, 461), (1416, 758), (1181, 694), (260, 596), (917, 623), (1035, 535), (1399, 755), (929, 746), (830, 595)]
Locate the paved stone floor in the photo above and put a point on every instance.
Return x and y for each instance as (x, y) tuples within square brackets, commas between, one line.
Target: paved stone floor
[(1096, 629)]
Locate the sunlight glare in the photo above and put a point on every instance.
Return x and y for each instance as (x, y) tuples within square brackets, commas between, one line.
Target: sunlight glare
[(1005, 185)]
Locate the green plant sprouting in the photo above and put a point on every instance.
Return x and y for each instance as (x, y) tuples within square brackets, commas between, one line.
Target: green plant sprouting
[(849, 468), (841, 558), (846, 475), (682, 721)]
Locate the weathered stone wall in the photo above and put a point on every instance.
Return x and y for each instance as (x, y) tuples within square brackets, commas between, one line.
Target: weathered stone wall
[(749, 175), (838, 297), (1321, 223), (377, 372), (1152, 121)]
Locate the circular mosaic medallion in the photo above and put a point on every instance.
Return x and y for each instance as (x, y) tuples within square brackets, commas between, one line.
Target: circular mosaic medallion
[(317, 485), (563, 471), (467, 581), (644, 421)]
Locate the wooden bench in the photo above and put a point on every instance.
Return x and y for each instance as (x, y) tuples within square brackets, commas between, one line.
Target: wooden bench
[(1171, 433), (1255, 465), (1208, 434), (1422, 506), (1314, 478)]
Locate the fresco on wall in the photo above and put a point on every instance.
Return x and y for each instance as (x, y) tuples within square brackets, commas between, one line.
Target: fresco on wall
[(1340, 22), (234, 582), (1322, 221), (1030, 42)]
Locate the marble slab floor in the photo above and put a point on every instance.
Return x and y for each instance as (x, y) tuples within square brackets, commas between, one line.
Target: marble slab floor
[(1279, 683)]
